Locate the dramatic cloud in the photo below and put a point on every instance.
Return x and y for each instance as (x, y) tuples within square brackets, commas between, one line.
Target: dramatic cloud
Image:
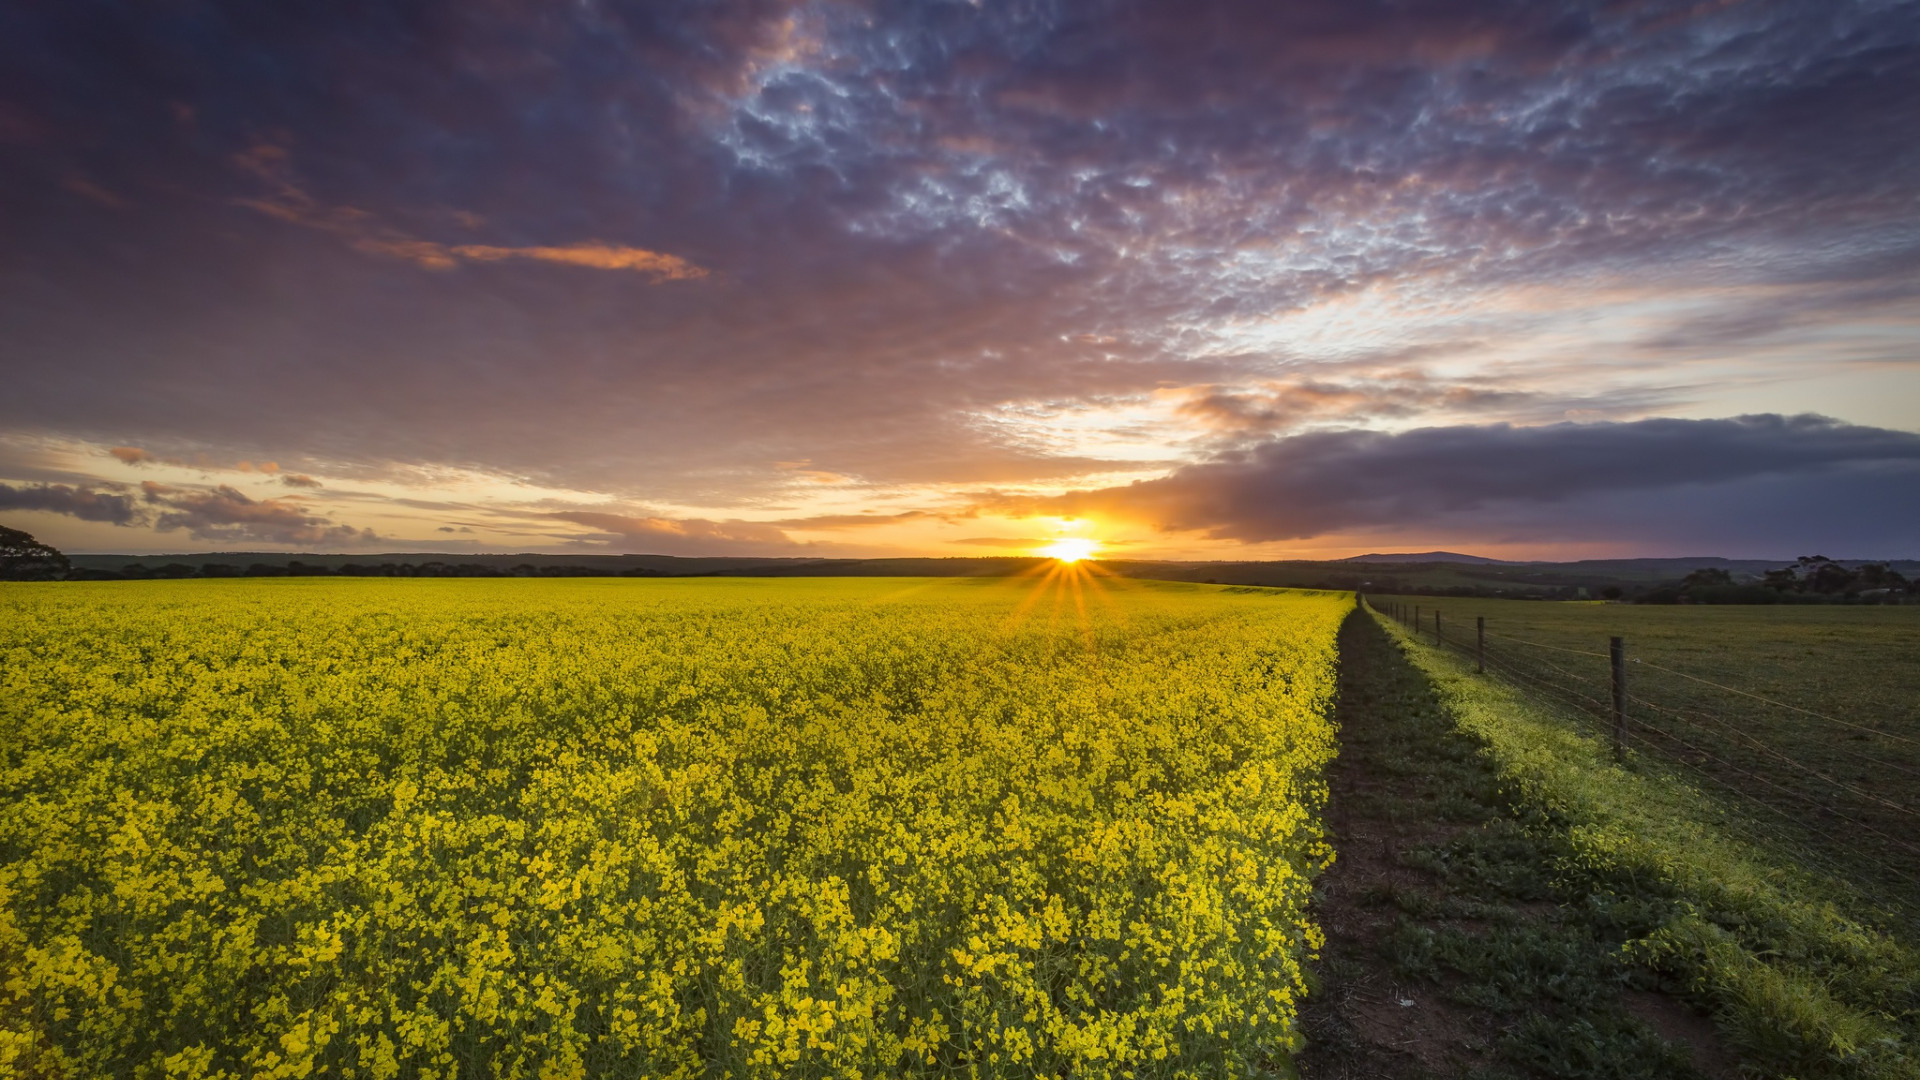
[(87, 505), (1651, 476), (767, 260), (225, 514), (215, 514), (1276, 406)]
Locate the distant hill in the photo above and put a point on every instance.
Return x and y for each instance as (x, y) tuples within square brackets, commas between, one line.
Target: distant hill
[(1426, 557)]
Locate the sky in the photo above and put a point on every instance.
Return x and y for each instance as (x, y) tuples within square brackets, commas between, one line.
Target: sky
[(1250, 280)]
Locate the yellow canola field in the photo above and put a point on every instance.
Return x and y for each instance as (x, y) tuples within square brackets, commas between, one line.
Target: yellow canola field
[(753, 828)]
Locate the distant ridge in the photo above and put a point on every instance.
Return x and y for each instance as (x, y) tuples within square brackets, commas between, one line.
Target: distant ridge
[(1427, 556)]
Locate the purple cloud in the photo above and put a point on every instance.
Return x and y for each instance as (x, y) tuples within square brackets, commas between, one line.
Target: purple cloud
[(83, 503), (649, 253), (1768, 482)]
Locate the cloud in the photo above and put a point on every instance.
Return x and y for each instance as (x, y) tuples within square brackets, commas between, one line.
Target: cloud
[(1653, 476), (1003, 541), (299, 480), (1278, 405), (675, 536), (598, 256), (290, 203), (133, 455), (82, 503), (219, 514), (226, 514), (940, 241), (852, 521)]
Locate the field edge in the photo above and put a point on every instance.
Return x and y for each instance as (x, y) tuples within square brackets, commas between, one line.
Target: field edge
[(1793, 983)]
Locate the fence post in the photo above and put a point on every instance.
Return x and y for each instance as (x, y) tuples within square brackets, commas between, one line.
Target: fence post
[(1436, 626), (1617, 655), (1480, 644)]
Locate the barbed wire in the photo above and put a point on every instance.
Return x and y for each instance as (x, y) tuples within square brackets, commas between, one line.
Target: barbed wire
[(1588, 680), (1849, 872), (1779, 704), (1541, 645), (1536, 674), (1741, 736)]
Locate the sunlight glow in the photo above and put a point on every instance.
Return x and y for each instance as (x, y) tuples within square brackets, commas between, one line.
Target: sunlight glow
[(1070, 549)]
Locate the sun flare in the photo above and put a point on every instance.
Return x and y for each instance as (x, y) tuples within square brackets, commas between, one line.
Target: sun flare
[(1071, 549)]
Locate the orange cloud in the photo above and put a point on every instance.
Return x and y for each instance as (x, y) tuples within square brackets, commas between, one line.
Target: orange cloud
[(420, 252), (289, 203), (600, 256), (133, 455)]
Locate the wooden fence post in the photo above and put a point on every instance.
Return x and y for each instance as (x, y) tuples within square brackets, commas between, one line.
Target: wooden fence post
[(1617, 656), (1480, 644), (1436, 626)]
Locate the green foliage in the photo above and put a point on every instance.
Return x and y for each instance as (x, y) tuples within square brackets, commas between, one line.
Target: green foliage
[(22, 558), (370, 829)]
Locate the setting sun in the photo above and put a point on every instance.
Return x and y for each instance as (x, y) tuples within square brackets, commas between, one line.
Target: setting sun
[(1071, 548)]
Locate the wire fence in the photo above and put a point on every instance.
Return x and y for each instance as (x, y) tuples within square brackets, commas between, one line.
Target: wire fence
[(1839, 795)]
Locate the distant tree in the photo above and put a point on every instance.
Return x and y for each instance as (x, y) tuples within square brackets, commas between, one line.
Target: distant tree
[(1823, 575), (1818, 577), (1705, 577), (22, 558), (1879, 576), (1784, 580)]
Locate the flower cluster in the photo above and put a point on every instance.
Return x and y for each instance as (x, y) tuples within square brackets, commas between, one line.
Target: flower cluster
[(422, 828)]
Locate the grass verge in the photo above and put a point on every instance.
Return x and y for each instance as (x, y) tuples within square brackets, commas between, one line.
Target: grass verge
[(1795, 984), (1452, 948)]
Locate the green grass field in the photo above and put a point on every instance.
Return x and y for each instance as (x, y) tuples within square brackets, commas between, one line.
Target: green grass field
[(375, 828), (1651, 859), (1806, 718)]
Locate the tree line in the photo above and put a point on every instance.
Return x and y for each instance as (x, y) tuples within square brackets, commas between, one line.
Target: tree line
[(23, 558), (1809, 579)]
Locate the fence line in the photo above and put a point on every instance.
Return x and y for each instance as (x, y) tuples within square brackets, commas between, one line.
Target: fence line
[(1780, 704), (1771, 752), (1806, 798), (1709, 682), (1766, 774)]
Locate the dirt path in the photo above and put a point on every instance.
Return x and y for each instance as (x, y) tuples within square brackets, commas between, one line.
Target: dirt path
[(1450, 953)]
